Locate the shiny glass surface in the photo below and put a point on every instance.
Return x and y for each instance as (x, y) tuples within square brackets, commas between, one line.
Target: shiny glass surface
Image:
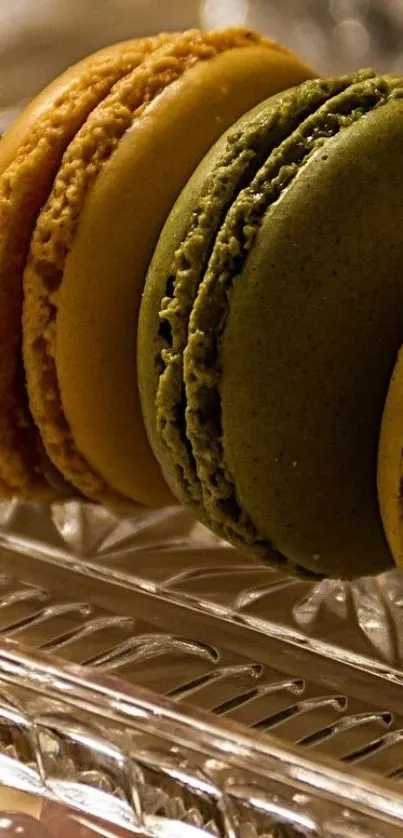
[(151, 672)]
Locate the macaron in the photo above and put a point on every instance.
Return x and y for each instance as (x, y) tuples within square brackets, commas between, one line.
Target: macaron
[(30, 155), (94, 236), (390, 462), (270, 323)]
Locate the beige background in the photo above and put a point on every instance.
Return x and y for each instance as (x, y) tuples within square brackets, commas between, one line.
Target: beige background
[(40, 38)]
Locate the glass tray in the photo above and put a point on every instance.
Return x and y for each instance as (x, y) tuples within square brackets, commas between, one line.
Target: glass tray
[(153, 675)]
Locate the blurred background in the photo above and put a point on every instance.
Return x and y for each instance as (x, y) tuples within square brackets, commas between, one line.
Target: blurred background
[(39, 38)]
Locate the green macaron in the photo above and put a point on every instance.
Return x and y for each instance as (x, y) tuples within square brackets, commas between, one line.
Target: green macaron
[(270, 323)]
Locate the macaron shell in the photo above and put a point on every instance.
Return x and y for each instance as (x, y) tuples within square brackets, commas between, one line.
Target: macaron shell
[(206, 97), (87, 153), (390, 463), (177, 269), (313, 329), (117, 233), (39, 142)]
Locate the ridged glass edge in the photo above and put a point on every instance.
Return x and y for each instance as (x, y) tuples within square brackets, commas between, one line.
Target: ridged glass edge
[(90, 740)]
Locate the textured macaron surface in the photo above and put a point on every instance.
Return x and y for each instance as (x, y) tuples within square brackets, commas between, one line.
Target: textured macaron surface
[(274, 301), (30, 155), (113, 461)]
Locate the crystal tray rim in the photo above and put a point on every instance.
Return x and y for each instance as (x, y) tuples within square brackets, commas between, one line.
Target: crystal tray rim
[(331, 793), (260, 660)]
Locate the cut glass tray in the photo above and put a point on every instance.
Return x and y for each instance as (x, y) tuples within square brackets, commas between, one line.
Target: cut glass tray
[(153, 675)]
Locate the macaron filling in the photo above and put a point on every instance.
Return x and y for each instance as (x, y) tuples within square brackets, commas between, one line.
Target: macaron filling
[(195, 308)]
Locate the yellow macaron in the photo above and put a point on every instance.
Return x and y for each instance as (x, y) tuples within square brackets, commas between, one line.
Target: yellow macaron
[(30, 156), (94, 238)]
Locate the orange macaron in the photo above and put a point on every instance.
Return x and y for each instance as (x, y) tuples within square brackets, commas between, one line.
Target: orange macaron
[(30, 155), (93, 236)]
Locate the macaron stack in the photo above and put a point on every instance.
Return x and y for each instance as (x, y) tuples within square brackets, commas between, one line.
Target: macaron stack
[(201, 296)]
